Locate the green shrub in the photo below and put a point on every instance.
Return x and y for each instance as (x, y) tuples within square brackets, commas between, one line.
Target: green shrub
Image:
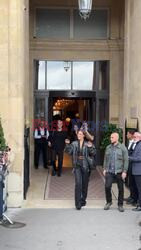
[(108, 130), (2, 139)]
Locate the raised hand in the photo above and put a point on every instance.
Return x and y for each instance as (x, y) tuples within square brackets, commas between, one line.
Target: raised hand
[(67, 141)]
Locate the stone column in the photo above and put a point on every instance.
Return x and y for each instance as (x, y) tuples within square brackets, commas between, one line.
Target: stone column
[(26, 61), (132, 63), (4, 64), (12, 80)]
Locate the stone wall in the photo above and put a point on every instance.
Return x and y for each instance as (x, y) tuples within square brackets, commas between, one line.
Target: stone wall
[(17, 96), (12, 85), (111, 49), (132, 55)]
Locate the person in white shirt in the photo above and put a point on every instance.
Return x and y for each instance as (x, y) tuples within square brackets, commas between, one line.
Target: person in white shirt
[(41, 135)]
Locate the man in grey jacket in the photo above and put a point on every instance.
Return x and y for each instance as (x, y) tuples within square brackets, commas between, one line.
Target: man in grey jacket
[(135, 160), (115, 168)]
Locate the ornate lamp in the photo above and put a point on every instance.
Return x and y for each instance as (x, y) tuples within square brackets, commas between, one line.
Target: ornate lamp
[(85, 7), (66, 65)]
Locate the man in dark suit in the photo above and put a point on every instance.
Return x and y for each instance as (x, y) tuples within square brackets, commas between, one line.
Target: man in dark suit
[(135, 159), (130, 181)]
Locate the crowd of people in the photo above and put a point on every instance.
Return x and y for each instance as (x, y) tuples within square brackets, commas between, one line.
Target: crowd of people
[(122, 164)]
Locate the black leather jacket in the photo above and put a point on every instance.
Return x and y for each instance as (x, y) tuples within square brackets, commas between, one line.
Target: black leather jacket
[(87, 152)]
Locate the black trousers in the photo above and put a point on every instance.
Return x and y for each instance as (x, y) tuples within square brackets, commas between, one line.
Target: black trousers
[(1, 198), (138, 184), (132, 184), (49, 155), (40, 148), (133, 188), (109, 178), (81, 185), (60, 155)]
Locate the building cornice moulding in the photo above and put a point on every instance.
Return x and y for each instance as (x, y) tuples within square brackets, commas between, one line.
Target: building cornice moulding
[(97, 45)]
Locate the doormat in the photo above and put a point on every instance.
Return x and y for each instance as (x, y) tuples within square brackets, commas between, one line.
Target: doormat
[(62, 188)]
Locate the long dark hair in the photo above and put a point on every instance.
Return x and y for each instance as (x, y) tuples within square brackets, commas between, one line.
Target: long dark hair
[(80, 130)]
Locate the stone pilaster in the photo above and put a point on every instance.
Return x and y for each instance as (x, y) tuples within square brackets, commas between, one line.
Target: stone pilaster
[(12, 81), (132, 65)]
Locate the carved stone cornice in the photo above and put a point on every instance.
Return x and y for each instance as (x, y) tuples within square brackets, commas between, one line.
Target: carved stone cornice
[(83, 45)]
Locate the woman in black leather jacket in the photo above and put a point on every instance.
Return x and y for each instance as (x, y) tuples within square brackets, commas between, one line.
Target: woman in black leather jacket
[(81, 152)]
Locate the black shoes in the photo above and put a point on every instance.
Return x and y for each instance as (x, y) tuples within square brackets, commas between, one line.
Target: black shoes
[(129, 199), (120, 209), (78, 207), (137, 209), (58, 174), (83, 203), (53, 172), (46, 167), (107, 206)]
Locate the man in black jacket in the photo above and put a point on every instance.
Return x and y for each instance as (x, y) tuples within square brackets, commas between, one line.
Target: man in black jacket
[(57, 142)]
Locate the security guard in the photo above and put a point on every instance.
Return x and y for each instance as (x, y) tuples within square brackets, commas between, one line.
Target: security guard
[(41, 135)]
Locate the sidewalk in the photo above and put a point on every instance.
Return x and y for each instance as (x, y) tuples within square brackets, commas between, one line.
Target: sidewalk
[(69, 229)]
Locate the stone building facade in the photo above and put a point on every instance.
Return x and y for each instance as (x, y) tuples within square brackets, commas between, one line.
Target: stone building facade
[(19, 47)]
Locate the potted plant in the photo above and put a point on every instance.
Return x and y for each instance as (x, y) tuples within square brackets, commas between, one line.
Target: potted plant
[(108, 130)]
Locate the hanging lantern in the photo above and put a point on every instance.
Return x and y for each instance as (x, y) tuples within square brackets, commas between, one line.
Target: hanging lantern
[(85, 7), (66, 65)]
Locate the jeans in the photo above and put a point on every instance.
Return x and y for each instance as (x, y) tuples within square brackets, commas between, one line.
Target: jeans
[(109, 178)]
